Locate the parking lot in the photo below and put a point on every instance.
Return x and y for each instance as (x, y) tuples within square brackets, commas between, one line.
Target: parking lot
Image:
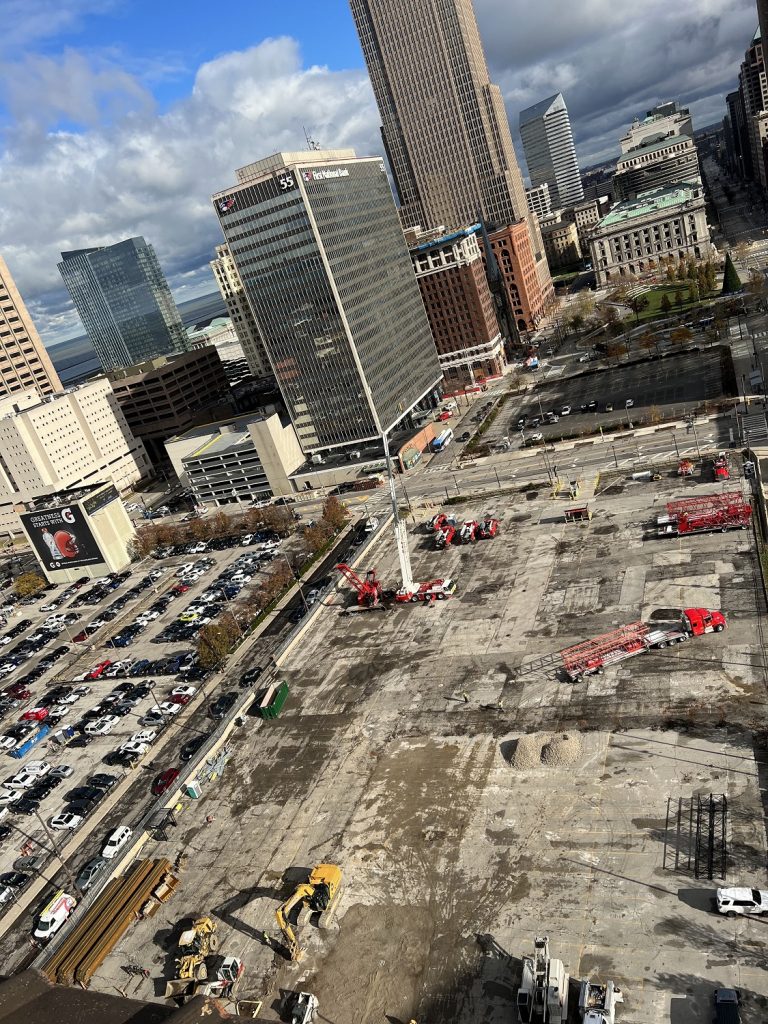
[(474, 800), (664, 389)]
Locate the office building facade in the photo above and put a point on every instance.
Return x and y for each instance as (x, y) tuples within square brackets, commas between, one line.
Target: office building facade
[(444, 126), (451, 276), (550, 154), (231, 287), (320, 251), (662, 121), (24, 362), (539, 201), (656, 162), (124, 302)]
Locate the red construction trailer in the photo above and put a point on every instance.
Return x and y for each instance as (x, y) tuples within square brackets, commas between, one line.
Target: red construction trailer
[(711, 512)]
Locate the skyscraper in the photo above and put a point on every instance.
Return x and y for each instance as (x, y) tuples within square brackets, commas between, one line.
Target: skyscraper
[(545, 129), (319, 249), (445, 129), (24, 362), (232, 291), (124, 302)]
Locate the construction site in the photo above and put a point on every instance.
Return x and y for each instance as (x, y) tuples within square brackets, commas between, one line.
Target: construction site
[(512, 795)]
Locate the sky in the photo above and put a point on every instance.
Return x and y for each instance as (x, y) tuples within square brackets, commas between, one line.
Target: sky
[(122, 117)]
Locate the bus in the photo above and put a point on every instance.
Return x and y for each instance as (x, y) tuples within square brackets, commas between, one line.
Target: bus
[(442, 442)]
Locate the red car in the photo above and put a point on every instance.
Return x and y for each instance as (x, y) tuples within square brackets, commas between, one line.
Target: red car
[(164, 781), (34, 715), (180, 698), (80, 637), (18, 692), (180, 588), (99, 669), (444, 415)]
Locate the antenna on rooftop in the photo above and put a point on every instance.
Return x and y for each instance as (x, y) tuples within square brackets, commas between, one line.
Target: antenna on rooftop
[(311, 144)]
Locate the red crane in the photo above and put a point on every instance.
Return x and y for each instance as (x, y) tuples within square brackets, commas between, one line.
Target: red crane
[(368, 589)]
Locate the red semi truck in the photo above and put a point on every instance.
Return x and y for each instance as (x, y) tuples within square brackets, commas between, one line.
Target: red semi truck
[(699, 515), (592, 656)]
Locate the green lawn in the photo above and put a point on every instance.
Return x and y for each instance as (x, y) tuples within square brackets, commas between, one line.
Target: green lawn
[(654, 296)]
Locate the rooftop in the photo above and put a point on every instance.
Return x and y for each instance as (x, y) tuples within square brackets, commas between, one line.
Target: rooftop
[(541, 108), (651, 145), (655, 199), (278, 161)]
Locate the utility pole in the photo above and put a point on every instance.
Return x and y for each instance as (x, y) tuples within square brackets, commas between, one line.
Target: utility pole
[(696, 439)]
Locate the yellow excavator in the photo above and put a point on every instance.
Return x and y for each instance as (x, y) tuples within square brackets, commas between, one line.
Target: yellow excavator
[(319, 895)]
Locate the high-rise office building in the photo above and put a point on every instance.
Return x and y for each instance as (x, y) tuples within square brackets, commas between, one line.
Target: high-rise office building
[(24, 362), (545, 129), (124, 302), (662, 121), (320, 252), (445, 129), (232, 291)]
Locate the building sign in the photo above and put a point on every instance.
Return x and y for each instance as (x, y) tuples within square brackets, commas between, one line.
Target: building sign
[(321, 173), (226, 204), (61, 537), (97, 501), (286, 181)]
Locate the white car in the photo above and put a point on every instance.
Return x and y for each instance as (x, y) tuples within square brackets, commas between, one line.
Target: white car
[(742, 901), (70, 698), (145, 736), (8, 742), (241, 578), (183, 691), (102, 725), (199, 548), (166, 707), (116, 841), (83, 690), (53, 621), (130, 747), (268, 545), (37, 768), (65, 822), (148, 616), (4, 640), (58, 713), (247, 540), (7, 795), (565, 411), (118, 666)]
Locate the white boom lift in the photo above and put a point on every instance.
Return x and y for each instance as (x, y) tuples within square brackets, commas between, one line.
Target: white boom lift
[(543, 994)]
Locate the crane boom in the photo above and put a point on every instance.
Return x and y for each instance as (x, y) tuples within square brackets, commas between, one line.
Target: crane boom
[(401, 537)]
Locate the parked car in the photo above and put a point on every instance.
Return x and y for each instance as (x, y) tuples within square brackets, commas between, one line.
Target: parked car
[(222, 705), (65, 822), (116, 841), (164, 781)]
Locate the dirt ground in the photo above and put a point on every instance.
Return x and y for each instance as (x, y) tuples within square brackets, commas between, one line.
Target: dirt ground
[(405, 756)]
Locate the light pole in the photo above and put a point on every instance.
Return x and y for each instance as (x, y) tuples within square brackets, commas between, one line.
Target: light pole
[(696, 439), (298, 580)]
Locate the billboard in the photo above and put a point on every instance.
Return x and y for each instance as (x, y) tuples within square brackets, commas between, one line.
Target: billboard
[(103, 497), (61, 537)]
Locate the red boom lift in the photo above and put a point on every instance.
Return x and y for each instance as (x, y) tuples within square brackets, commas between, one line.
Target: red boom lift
[(368, 590), (727, 511)]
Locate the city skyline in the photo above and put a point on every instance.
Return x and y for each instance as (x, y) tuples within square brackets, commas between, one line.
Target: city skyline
[(131, 138)]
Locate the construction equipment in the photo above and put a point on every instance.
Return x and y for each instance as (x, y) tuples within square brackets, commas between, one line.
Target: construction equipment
[(728, 511), (685, 467), (543, 994), (445, 535), (438, 521), (433, 590), (488, 529), (468, 532), (597, 1003), (720, 466), (368, 589), (319, 895), (219, 980), (304, 1008), (592, 656), (196, 943)]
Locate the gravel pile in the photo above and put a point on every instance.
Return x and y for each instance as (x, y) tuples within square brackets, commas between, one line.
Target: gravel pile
[(561, 750), (528, 750), (541, 748)]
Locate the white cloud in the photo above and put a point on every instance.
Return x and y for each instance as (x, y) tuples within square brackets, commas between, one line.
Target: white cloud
[(27, 21), (143, 173)]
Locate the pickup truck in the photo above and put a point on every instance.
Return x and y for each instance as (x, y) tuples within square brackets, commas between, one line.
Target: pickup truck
[(727, 1002)]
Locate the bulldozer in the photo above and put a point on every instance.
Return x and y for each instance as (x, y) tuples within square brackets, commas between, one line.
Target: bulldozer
[(195, 944), (319, 895)]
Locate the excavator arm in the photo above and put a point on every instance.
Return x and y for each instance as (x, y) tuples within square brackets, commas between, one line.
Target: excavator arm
[(282, 914)]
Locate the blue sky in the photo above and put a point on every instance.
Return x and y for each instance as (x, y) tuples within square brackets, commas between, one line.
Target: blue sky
[(122, 117)]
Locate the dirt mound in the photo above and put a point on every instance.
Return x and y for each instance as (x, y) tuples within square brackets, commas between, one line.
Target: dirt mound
[(561, 750), (541, 748), (528, 750)]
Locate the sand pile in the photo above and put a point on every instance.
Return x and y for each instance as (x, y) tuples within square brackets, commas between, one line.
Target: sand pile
[(561, 750), (542, 748)]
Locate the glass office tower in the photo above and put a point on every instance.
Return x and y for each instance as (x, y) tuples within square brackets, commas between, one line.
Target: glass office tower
[(124, 302), (318, 244)]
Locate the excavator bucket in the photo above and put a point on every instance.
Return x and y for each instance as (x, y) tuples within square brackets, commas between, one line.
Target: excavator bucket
[(178, 987)]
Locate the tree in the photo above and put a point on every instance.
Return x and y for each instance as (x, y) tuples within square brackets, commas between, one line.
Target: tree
[(654, 414), (731, 280), (741, 251), (649, 340), (575, 322), (28, 584), (213, 645), (637, 303), (710, 275), (669, 273), (335, 512), (665, 305), (679, 300), (681, 335), (279, 579), (680, 273), (316, 537), (693, 292)]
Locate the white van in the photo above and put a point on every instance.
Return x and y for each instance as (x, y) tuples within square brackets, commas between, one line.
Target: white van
[(54, 914)]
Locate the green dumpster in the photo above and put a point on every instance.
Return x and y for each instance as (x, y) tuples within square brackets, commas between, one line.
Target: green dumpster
[(269, 703)]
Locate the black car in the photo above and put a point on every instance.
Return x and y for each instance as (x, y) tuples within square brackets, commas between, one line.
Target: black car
[(15, 879), (103, 781), (222, 705), (41, 789), (142, 690), (85, 793), (138, 668), (191, 747), (24, 806), (81, 807), (5, 832), (250, 676), (123, 758)]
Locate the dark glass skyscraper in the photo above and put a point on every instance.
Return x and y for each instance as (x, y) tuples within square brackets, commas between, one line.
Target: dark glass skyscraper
[(124, 301), (319, 248)]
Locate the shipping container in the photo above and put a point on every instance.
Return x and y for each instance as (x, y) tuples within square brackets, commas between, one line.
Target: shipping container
[(40, 733), (270, 701)]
